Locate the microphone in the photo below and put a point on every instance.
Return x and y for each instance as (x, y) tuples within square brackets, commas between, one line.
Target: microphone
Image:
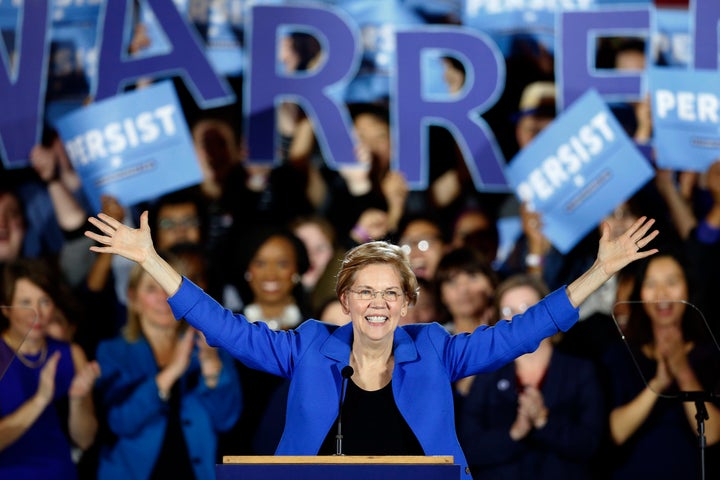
[(346, 373)]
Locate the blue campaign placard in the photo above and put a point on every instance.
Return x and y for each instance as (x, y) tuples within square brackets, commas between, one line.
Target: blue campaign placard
[(504, 20), (686, 121), (578, 170), (672, 42), (135, 146)]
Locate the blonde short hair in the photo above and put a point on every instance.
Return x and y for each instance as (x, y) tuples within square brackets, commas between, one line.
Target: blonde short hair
[(374, 253)]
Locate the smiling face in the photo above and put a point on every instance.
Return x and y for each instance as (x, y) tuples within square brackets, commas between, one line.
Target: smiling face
[(271, 272), (375, 319), (663, 290)]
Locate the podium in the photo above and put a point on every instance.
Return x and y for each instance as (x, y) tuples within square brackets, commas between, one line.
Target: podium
[(327, 467)]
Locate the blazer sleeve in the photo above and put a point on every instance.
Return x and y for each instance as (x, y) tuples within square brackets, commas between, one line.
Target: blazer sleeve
[(488, 348), (254, 344)]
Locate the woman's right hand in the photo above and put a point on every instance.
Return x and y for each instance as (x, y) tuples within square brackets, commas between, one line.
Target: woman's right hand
[(181, 354), (46, 385), (662, 379), (132, 243)]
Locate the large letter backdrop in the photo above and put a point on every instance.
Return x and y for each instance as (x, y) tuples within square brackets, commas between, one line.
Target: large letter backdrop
[(61, 56)]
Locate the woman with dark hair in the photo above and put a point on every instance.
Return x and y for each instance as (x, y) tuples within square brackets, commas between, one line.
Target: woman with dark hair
[(654, 430), (465, 287), (46, 405), (272, 261)]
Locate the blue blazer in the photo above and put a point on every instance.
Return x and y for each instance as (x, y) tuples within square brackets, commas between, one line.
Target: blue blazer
[(427, 360), (136, 415)]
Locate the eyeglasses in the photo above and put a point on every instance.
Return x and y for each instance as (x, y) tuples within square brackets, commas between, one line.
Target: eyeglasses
[(369, 294), (186, 222), (422, 244), (509, 312)]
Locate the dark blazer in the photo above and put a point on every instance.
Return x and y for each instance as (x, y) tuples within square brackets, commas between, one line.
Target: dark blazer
[(562, 449)]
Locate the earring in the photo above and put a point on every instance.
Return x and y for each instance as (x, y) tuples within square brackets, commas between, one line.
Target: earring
[(248, 276), (296, 278)]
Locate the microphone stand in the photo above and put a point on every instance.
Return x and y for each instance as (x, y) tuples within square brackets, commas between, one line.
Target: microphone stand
[(346, 373), (701, 414)]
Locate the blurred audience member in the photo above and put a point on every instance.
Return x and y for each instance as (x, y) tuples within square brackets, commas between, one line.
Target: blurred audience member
[(539, 417), (318, 236), (46, 405), (426, 309), (653, 429), (273, 261), (465, 286), (477, 228), (422, 240), (165, 393)]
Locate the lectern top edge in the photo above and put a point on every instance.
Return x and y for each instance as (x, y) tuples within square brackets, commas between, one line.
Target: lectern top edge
[(340, 459)]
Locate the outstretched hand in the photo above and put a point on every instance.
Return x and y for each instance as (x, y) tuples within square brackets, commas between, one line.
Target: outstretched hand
[(616, 253), (132, 243)]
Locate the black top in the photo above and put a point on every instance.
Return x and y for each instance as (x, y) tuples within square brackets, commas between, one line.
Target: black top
[(372, 425), (174, 459)]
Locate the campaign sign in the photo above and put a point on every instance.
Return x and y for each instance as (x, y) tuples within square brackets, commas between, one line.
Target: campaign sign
[(578, 170), (505, 20), (135, 146), (686, 120), (672, 42)]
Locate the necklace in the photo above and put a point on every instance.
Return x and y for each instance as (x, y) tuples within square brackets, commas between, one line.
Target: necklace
[(37, 363), (31, 363)]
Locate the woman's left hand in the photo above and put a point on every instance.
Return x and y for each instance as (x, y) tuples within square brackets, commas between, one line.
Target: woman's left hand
[(210, 363), (84, 380), (614, 254)]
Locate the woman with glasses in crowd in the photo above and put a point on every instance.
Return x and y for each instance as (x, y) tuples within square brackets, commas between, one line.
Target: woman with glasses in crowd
[(46, 405), (399, 398)]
